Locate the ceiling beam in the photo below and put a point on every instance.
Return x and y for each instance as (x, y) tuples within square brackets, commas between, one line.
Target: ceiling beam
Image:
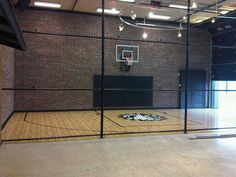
[(9, 13), (3, 20), (9, 42), (6, 28), (7, 35)]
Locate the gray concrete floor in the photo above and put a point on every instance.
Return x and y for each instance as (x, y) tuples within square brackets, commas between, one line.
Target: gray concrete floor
[(152, 156)]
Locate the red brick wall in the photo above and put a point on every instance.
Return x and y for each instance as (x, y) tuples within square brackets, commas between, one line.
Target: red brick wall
[(7, 82), (70, 62)]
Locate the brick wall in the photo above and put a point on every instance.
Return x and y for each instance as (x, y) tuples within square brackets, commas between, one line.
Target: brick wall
[(70, 62), (7, 82)]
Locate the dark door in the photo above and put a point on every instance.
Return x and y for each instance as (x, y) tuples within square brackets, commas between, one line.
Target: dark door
[(196, 81)]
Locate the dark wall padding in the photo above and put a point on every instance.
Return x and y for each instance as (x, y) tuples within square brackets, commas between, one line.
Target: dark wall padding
[(135, 97), (224, 59), (227, 39), (223, 56), (224, 72)]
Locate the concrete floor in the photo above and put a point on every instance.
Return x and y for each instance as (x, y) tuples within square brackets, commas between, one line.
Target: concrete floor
[(152, 156)]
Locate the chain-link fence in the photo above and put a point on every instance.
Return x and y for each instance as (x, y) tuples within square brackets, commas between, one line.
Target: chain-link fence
[(89, 74)]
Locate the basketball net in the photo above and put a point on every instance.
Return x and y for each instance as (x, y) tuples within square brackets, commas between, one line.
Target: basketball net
[(129, 61)]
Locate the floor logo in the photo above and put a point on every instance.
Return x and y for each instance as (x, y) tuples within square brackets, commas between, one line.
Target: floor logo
[(142, 117)]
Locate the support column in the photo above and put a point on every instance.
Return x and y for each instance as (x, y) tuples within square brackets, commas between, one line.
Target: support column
[(1, 55), (102, 69), (187, 68)]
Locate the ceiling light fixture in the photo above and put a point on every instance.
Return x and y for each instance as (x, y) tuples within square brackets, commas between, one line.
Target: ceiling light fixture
[(178, 6), (47, 4), (127, 0), (147, 26), (179, 31), (109, 11), (179, 34), (228, 8), (213, 20), (133, 14), (145, 35), (199, 21), (228, 26), (220, 28), (160, 17), (184, 18), (121, 27), (223, 12), (194, 4)]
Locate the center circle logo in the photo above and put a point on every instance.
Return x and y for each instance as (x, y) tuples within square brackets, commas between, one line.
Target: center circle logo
[(142, 117)]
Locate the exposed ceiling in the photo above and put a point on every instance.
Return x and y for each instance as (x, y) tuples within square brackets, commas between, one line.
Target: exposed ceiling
[(221, 26), (206, 8)]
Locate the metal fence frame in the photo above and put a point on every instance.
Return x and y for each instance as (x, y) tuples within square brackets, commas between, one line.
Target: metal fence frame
[(103, 39)]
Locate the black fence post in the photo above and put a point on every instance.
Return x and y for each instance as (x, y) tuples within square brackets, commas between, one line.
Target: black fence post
[(186, 69), (102, 70)]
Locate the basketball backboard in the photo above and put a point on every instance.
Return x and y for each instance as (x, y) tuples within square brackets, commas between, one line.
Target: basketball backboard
[(127, 51)]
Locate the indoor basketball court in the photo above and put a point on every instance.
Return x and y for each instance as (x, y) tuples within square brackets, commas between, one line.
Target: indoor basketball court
[(72, 70), (41, 126)]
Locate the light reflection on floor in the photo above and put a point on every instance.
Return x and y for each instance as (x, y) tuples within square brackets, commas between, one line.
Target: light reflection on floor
[(227, 142)]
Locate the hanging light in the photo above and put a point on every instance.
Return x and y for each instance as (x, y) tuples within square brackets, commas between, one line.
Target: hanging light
[(133, 14), (194, 4), (179, 34), (121, 27), (179, 31), (213, 20), (145, 35)]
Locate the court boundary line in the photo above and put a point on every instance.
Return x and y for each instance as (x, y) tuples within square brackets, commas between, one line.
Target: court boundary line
[(109, 118), (123, 126), (180, 117), (4, 124), (50, 126)]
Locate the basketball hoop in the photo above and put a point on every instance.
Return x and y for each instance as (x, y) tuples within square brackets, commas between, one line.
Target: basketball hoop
[(129, 61)]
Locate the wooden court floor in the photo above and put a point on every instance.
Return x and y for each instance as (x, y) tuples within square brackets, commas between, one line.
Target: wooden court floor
[(47, 125)]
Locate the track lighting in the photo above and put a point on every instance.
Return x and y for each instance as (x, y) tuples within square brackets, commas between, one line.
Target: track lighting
[(145, 35), (121, 27), (194, 4)]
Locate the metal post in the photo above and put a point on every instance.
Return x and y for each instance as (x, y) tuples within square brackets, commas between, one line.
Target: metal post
[(1, 96), (186, 69), (102, 80)]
